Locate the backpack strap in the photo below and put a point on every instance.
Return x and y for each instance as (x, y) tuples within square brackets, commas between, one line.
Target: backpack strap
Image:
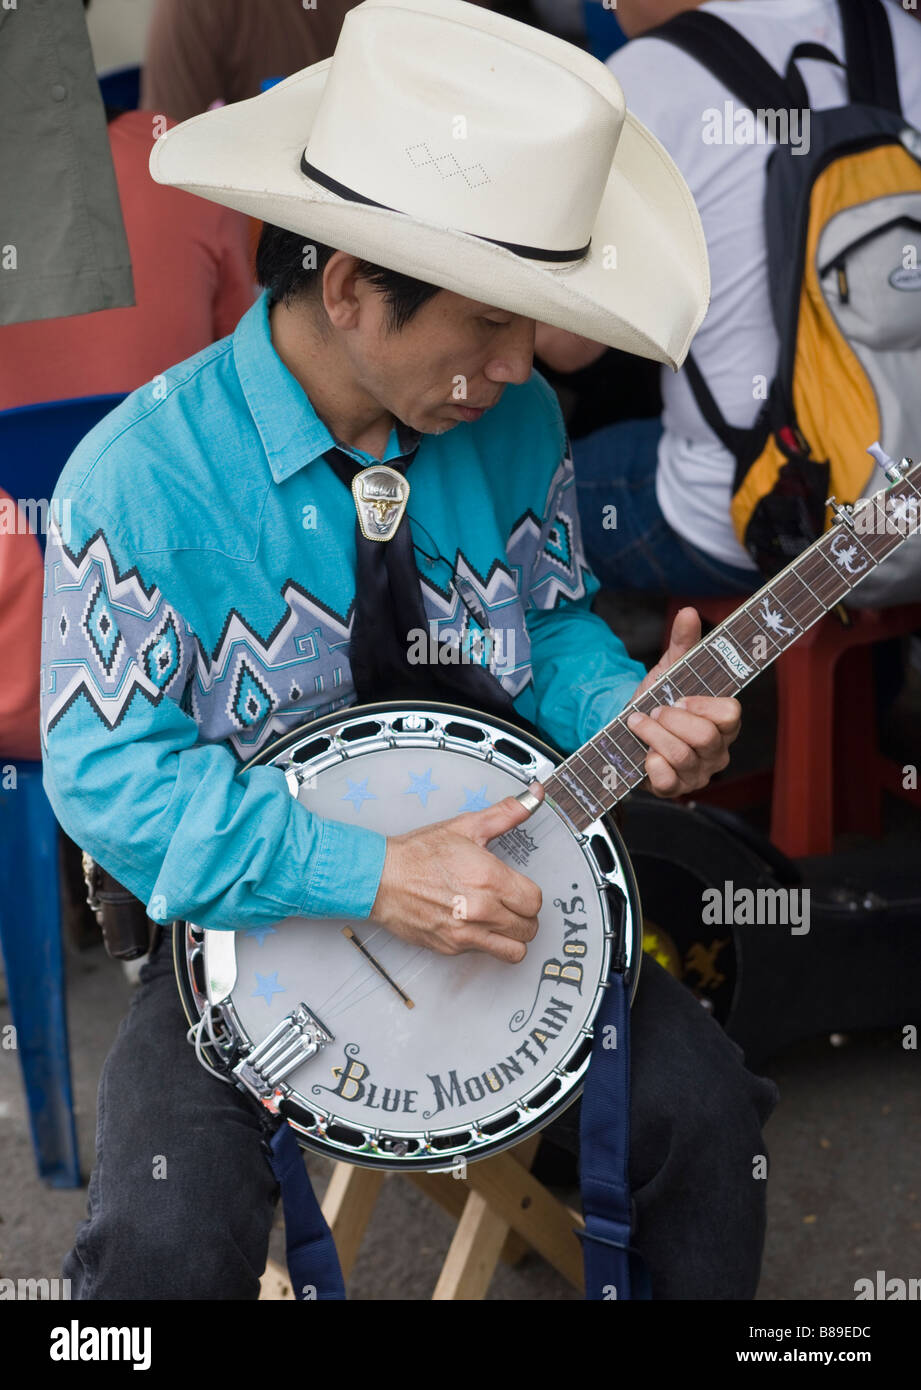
[(793, 76), (732, 438), (869, 54), (721, 49)]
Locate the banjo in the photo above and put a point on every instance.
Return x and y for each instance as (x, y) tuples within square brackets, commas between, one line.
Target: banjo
[(387, 1055)]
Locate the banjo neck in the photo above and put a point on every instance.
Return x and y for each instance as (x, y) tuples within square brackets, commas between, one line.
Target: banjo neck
[(431, 1060), (608, 767)]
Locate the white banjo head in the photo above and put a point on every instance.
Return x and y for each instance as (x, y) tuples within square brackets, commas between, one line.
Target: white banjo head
[(388, 1054)]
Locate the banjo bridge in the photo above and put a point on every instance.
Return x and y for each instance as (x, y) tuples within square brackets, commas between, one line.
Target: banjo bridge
[(299, 1036)]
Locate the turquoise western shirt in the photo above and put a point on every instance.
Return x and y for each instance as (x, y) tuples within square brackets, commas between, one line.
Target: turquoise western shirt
[(198, 600)]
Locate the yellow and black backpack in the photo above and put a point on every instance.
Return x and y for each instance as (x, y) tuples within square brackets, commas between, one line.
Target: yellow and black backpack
[(843, 224)]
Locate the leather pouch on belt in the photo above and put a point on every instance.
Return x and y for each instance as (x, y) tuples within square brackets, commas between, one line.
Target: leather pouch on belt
[(126, 929)]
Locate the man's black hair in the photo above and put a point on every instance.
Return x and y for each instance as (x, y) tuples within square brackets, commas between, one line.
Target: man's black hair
[(280, 269)]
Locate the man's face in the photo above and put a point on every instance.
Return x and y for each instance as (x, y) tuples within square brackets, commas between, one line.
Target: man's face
[(449, 364)]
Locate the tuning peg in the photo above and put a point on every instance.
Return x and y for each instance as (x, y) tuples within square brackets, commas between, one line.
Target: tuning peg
[(843, 512), (895, 472)]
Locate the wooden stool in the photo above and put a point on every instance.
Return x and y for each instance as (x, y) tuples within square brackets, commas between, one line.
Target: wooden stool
[(502, 1211), (828, 773)]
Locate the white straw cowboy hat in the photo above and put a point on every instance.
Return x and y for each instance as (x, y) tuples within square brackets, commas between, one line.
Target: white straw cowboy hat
[(473, 152)]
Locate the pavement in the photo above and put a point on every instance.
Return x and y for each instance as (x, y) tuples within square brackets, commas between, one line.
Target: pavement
[(844, 1186)]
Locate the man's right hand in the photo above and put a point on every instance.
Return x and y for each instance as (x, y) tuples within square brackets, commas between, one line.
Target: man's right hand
[(442, 889)]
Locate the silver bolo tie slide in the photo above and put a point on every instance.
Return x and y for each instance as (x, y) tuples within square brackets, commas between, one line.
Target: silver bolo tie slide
[(380, 495)]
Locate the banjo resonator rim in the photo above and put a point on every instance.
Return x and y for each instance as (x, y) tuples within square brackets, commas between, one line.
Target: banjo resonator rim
[(326, 743)]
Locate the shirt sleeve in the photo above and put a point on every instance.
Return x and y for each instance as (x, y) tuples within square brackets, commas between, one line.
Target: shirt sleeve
[(171, 817), (581, 672), (65, 250)]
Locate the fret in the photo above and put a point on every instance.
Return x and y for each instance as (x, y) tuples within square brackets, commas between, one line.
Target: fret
[(617, 777), (619, 783), (848, 553), (822, 577), (675, 685), (884, 520), (770, 604), (668, 689), (725, 682), (751, 636), (573, 785), (795, 597), (872, 525), (615, 773), (741, 627), (620, 788), (780, 620), (710, 670), (651, 699), (826, 582), (555, 786), (818, 600), (626, 743), (909, 485), (621, 774), (903, 506), (889, 517), (609, 744), (593, 784)]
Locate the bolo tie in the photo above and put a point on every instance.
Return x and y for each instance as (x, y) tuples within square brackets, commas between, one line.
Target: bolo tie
[(388, 605)]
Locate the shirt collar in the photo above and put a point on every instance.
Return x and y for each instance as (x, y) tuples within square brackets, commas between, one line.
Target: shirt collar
[(292, 433)]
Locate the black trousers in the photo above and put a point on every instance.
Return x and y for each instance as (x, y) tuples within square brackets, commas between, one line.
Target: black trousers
[(182, 1198)]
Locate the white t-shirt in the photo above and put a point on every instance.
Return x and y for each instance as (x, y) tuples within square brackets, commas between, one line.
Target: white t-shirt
[(672, 94)]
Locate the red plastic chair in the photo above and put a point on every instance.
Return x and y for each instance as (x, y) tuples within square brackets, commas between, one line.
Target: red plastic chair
[(828, 774)]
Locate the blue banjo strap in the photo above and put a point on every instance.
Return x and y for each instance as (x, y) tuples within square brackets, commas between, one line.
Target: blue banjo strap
[(612, 1268), (313, 1264)]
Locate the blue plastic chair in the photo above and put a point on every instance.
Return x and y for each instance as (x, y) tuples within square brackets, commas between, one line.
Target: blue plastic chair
[(35, 443), (122, 87), (37, 440), (30, 936), (602, 30)]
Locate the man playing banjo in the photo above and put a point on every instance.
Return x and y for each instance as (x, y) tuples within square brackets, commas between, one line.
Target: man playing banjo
[(449, 179)]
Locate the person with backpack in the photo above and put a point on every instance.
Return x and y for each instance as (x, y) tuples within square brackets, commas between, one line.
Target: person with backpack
[(794, 123)]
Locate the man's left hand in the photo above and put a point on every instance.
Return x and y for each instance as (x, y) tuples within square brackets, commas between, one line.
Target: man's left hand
[(688, 741)]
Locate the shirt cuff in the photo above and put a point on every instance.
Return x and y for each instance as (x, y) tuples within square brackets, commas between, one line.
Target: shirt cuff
[(609, 703), (347, 869)]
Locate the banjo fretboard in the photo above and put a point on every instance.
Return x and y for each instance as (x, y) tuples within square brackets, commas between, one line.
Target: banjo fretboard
[(610, 765)]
